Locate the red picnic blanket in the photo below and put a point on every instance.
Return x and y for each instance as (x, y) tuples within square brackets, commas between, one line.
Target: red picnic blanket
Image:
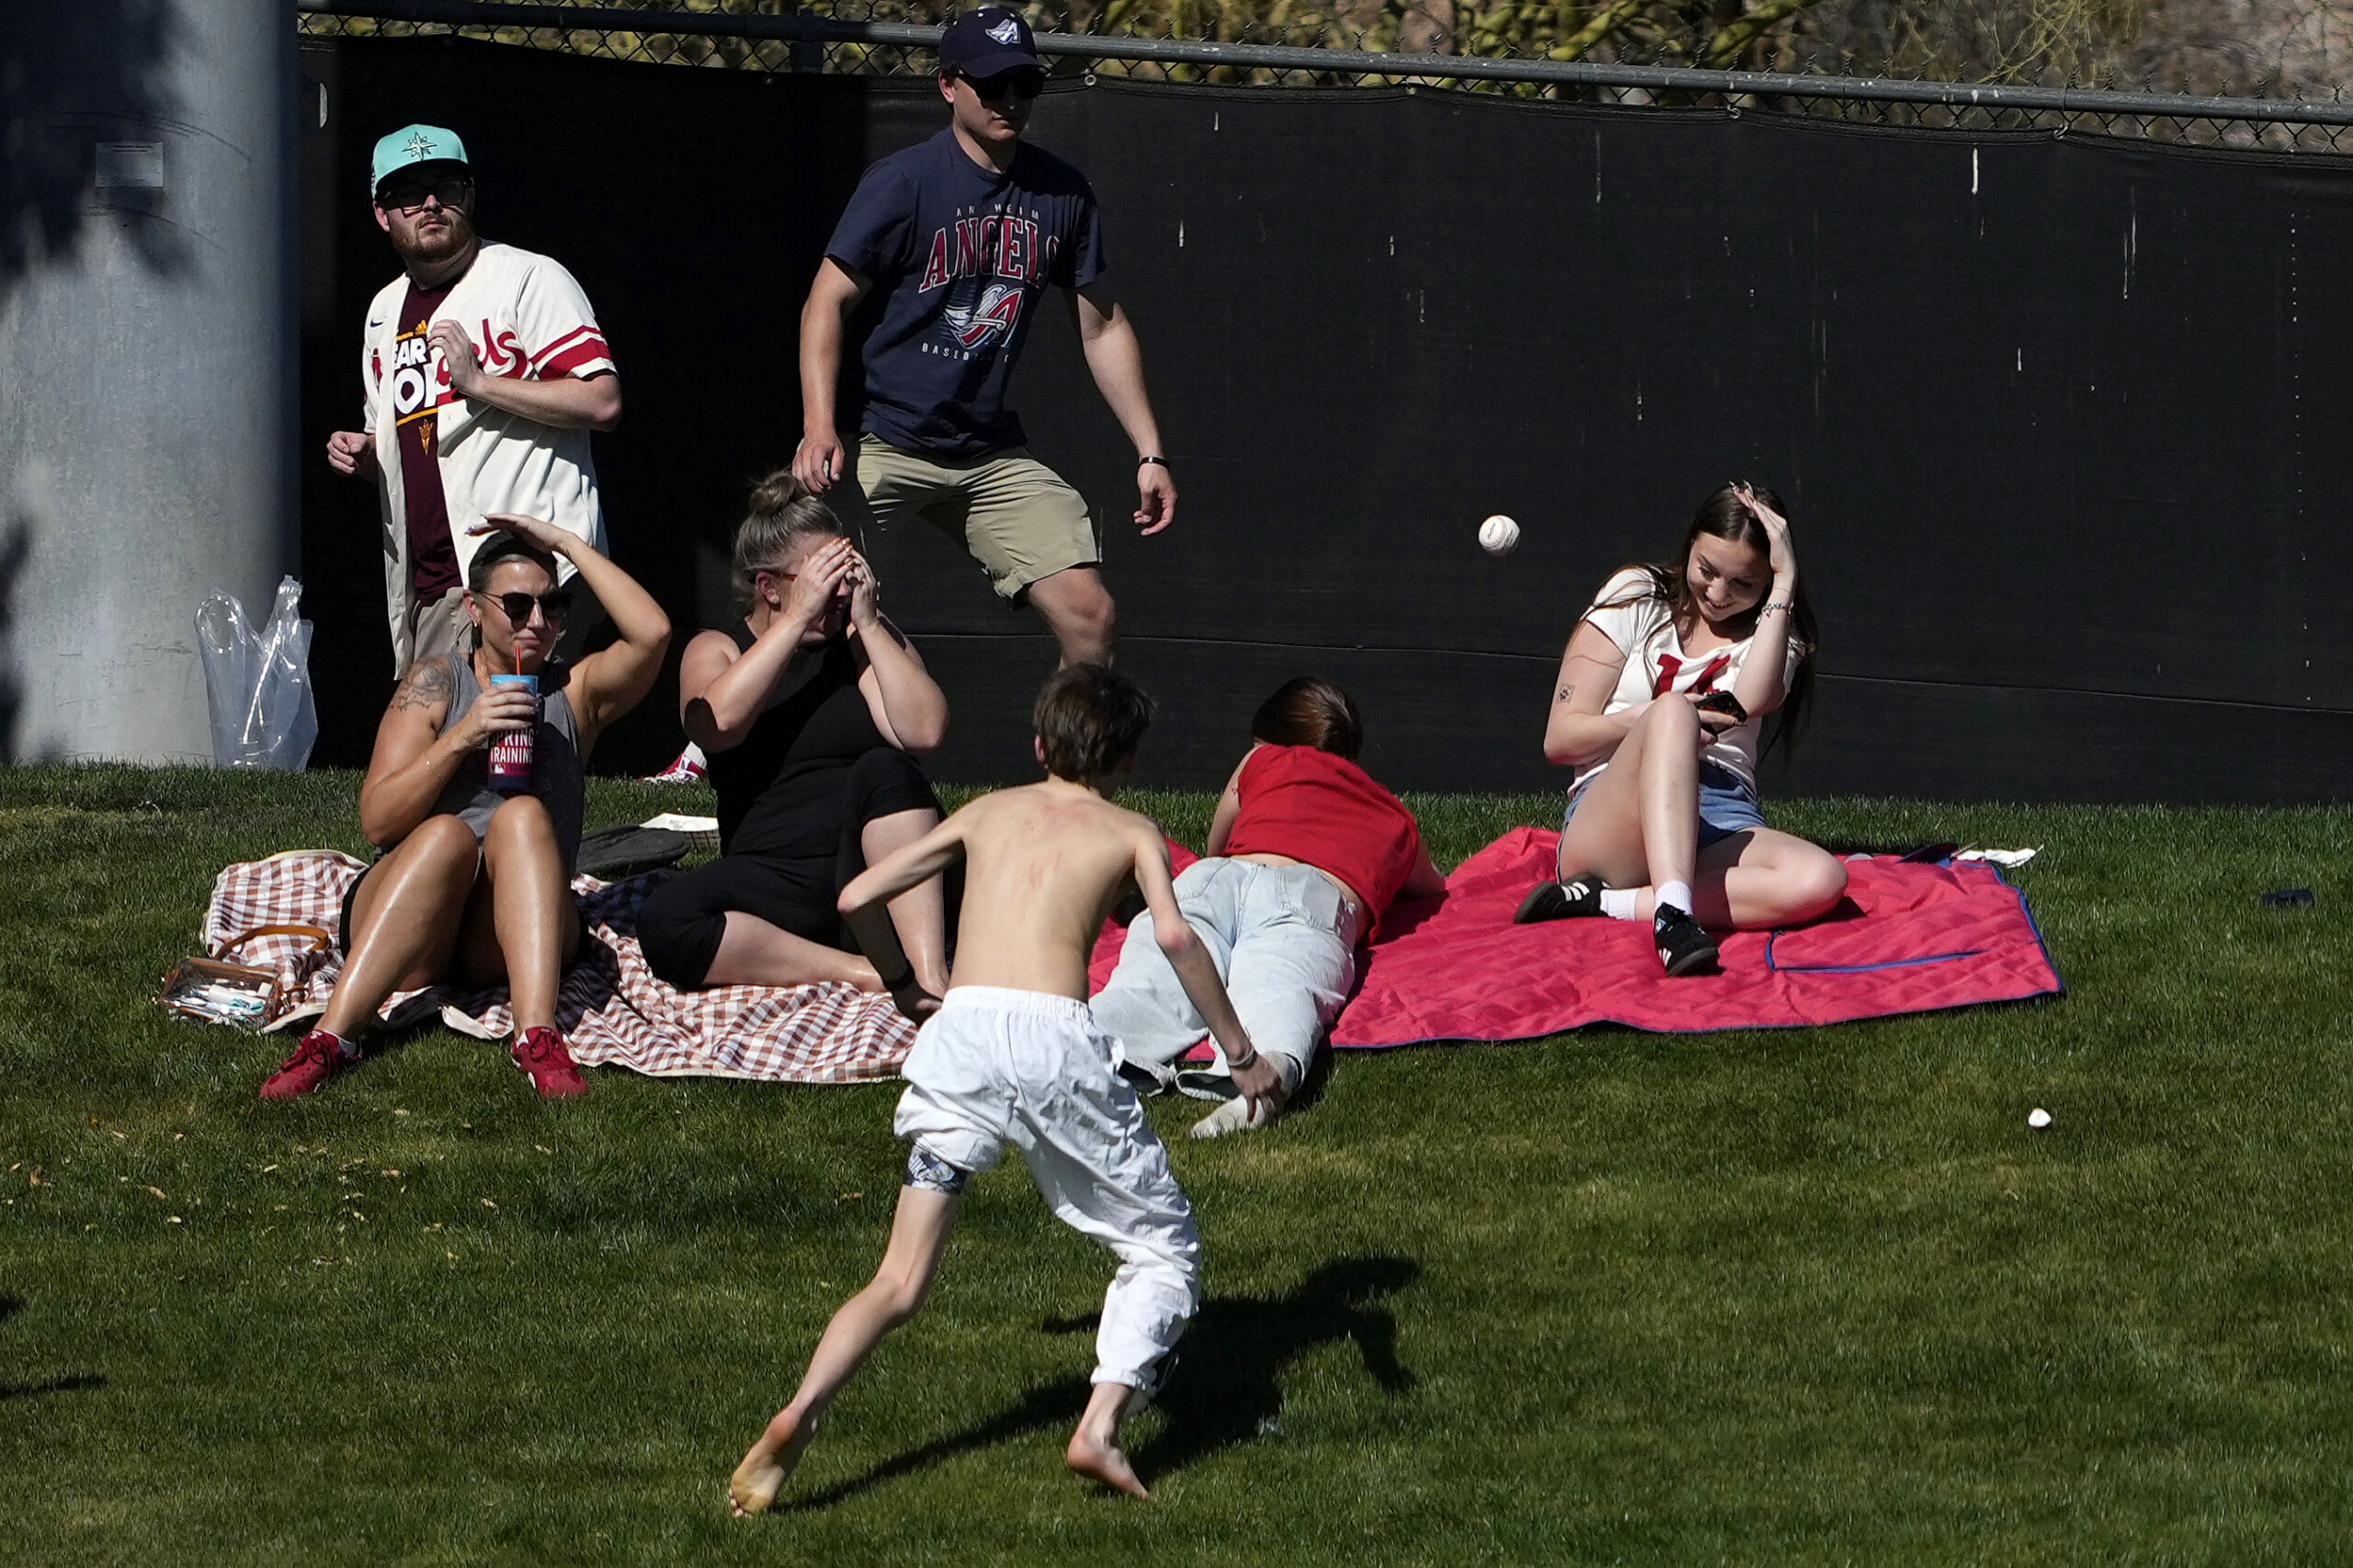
[(1908, 938), (612, 1010)]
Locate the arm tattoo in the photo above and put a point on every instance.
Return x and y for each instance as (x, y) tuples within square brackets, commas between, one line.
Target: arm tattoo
[(426, 684), (1564, 693)]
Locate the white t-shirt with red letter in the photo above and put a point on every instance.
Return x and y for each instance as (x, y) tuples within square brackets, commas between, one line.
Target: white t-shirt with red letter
[(1633, 616), (527, 318)]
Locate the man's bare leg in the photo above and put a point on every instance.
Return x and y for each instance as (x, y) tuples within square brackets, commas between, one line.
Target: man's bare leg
[(1095, 1449), (919, 1232), (1077, 608)]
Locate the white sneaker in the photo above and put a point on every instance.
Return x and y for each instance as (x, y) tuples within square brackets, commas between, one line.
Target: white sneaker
[(1233, 1116)]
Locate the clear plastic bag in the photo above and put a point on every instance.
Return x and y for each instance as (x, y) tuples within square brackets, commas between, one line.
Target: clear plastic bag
[(257, 685)]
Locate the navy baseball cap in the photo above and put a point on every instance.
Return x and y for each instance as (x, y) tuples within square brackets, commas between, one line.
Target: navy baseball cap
[(987, 41)]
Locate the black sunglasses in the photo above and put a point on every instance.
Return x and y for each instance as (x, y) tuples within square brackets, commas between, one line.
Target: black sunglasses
[(554, 605), (1022, 82), (450, 191)]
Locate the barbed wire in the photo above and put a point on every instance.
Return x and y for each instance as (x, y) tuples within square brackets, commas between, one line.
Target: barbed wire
[(1511, 53)]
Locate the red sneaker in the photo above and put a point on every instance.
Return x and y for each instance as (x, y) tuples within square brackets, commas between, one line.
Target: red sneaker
[(319, 1057), (540, 1053), (691, 767)]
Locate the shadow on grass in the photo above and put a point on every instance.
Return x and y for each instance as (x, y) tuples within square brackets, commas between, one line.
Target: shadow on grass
[(9, 1307), (1054, 1405), (1227, 1387), (55, 1385)]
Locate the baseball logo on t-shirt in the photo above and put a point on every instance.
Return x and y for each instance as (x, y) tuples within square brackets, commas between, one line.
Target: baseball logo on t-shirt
[(971, 325), (958, 253), (999, 244)]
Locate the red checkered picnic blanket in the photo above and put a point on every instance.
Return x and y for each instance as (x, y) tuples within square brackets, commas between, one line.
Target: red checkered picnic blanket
[(611, 1009)]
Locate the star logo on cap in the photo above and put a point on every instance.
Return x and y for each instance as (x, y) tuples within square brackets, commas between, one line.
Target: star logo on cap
[(419, 145)]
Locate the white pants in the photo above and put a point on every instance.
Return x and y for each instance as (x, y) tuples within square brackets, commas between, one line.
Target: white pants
[(1284, 942), (995, 1069)]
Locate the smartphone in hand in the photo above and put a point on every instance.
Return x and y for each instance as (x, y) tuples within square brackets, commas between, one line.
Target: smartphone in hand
[(1722, 703)]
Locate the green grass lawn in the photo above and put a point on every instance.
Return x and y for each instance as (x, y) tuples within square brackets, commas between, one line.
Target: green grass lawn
[(1788, 1297)]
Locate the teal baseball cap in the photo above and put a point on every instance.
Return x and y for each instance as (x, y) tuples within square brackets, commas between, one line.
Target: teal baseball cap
[(414, 144)]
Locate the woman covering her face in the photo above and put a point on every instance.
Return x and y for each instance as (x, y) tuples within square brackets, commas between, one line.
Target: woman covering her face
[(813, 709)]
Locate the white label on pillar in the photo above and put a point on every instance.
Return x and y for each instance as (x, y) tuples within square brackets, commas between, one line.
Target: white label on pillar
[(131, 165)]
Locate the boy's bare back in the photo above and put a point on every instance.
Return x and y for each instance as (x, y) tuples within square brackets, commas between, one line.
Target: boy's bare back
[(1043, 866)]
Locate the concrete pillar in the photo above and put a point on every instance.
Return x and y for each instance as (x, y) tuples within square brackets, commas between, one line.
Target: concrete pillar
[(147, 369)]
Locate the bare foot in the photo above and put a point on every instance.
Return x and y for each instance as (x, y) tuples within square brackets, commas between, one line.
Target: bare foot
[(1094, 1447), (1105, 1460), (753, 1488)]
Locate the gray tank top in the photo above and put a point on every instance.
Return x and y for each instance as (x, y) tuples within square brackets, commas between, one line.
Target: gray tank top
[(555, 762)]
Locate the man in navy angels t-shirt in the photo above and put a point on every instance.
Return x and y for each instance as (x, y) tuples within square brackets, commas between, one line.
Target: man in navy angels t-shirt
[(963, 234)]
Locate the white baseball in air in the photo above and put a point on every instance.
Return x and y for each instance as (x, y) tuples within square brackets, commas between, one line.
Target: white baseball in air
[(1499, 535), (2038, 1116)]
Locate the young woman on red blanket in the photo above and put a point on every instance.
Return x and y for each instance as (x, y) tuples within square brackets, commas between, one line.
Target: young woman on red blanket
[(473, 882), (1660, 705), (813, 709), (1306, 853)]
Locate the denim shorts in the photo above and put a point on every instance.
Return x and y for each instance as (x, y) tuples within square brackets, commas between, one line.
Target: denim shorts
[(1727, 805)]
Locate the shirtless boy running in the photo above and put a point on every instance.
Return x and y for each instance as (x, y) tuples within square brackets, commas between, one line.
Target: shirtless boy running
[(1014, 1058)]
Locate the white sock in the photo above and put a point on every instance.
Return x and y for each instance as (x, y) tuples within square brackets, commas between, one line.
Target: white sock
[(1619, 903), (1676, 893)]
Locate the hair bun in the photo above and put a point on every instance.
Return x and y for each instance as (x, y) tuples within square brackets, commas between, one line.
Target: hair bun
[(777, 491)]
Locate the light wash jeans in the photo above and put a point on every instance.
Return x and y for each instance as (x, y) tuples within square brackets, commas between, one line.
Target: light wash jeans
[(1284, 942)]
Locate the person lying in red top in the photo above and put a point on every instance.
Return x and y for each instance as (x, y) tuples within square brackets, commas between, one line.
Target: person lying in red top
[(1306, 853)]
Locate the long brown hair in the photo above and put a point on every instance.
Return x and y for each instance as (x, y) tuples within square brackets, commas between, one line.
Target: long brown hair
[(782, 515), (1723, 515), (1308, 711)]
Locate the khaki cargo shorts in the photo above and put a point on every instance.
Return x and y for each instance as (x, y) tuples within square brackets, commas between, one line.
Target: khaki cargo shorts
[(1017, 518)]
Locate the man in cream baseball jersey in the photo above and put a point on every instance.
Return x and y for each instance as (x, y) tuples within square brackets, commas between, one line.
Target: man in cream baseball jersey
[(483, 372)]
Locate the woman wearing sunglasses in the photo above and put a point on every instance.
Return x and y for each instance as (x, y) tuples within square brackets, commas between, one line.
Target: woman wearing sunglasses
[(1659, 707), (812, 709), (472, 881)]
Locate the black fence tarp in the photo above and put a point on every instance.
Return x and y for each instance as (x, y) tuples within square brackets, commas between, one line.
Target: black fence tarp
[(2054, 415)]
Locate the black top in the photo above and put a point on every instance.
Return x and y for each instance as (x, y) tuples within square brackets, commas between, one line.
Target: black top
[(781, 792)]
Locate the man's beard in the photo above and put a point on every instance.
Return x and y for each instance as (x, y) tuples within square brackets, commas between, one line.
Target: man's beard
[(431, 251)]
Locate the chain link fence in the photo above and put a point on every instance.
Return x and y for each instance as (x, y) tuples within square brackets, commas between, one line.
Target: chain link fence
[(1616, 52)]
